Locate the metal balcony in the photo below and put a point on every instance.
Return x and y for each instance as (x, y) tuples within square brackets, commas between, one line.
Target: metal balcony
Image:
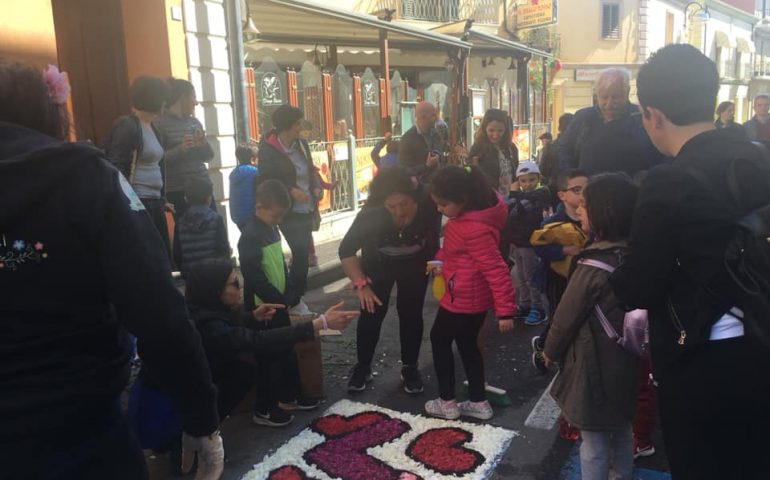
[(443, 11)]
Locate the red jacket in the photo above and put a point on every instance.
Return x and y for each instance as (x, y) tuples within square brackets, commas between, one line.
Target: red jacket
[(476, 274)]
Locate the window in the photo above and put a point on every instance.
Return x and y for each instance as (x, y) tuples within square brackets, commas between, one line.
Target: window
[(610, 21), (669, 28)]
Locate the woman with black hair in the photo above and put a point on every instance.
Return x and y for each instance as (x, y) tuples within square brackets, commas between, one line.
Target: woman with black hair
[(133, 147), (397, 232), (215, 300), (599, 380), (493, 151), (184, 143)]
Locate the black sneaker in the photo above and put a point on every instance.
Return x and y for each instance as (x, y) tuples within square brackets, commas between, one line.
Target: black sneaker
[(359, 377), (411, 378), (537, 355), (301, 403), (274, 417), (521, 313)]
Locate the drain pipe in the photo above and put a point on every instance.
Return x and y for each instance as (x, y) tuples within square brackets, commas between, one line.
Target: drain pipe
[(237, 77)]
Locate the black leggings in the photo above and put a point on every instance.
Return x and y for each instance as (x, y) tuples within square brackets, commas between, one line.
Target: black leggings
[(462, 328), (411, 281), (297, 229)]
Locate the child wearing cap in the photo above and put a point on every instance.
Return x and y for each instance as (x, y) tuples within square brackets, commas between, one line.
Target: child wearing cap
[(527, 206)]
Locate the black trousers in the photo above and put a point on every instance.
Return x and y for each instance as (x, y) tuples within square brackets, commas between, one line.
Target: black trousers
[(277, 374), (463, 329), (555, 285), (714, 412), (156, 209), (409, 277), (297, 228)]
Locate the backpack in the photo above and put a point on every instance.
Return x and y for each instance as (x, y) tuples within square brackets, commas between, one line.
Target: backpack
[(747, 255), (636, 331)]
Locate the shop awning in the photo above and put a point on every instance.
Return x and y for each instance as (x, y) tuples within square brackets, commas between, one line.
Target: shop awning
[(305, 22), (744, 45), (723, 39), (486, 43)]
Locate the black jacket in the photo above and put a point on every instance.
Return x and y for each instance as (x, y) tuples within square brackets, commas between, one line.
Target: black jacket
[(82, 266), (414, 148), (124, 139), (597, 147), (382, 244), (199, 234), (257, 238), (275, 164), (226, 334), (677, 243)]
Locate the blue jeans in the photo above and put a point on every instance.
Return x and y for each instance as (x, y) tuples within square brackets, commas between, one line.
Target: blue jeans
[(607, 454)]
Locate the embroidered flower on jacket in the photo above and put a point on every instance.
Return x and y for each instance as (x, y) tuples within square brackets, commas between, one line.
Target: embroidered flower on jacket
[(19, 245)]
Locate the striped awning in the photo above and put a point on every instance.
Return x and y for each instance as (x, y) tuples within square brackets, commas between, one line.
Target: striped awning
[(487, 43), (306, 22)]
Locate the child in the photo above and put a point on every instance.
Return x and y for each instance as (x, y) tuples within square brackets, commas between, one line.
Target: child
[(526, 205), (242, 186), (214, 299), (266, 280), (598, 383), (200, 232), (477, 279), (390, 159), (556, 243)]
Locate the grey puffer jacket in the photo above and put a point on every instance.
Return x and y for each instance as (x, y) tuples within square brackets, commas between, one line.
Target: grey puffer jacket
[(598, 382)]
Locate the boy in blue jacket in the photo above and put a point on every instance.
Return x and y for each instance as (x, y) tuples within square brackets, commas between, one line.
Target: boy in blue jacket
[(242, 178)]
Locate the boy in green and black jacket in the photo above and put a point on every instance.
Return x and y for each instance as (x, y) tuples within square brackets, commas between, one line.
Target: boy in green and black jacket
[(266, 281)]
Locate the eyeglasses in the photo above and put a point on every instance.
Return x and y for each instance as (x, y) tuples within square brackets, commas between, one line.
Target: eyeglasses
[(577, 190)]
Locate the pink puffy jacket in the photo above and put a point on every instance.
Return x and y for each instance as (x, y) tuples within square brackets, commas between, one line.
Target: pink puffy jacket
[(476, 275)]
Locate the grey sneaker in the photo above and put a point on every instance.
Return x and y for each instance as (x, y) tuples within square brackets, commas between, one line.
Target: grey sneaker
[(480, 410), (447, 409)]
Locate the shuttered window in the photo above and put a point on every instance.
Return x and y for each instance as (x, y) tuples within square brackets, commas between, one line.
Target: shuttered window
[(611, 21)]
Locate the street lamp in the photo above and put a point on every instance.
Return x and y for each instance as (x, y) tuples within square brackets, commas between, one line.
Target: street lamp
[(701, 13)]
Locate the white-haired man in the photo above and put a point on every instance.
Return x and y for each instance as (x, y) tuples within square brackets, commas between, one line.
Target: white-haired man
[(609, 136)]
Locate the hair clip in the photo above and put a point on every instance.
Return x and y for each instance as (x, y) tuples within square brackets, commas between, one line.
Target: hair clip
[(57, 83)]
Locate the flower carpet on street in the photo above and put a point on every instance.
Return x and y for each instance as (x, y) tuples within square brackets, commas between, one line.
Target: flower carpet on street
[(359, 441)]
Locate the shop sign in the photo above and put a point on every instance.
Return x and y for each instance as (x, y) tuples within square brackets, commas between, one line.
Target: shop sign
[(271, 90), (536, 13)]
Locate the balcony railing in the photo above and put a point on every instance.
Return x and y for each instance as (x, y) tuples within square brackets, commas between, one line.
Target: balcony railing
[(442, 11)]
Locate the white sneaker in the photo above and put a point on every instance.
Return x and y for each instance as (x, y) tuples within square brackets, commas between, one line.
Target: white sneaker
[(301, 309), (443, 408), (480, 410)]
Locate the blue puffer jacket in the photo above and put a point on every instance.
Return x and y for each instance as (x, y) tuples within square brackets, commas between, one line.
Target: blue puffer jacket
[(242, 196)]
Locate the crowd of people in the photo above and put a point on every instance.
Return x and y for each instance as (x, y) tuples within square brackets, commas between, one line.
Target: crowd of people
[(656, 207)]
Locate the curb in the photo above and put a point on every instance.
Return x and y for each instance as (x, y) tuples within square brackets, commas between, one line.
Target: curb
[(324, 274)]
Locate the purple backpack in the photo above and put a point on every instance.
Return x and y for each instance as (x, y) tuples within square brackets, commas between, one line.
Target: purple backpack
[(636, 332)]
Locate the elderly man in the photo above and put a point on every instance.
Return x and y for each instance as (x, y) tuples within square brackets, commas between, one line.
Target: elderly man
[(758, 128), (421, 144), (608, 137)]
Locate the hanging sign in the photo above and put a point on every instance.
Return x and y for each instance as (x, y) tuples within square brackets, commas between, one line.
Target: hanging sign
[(535, 13)]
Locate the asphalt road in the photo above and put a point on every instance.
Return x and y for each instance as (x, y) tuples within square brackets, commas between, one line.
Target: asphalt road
[(536, 454)]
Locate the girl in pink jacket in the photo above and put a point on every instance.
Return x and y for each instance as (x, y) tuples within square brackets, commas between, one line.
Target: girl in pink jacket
[(477, 280)]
